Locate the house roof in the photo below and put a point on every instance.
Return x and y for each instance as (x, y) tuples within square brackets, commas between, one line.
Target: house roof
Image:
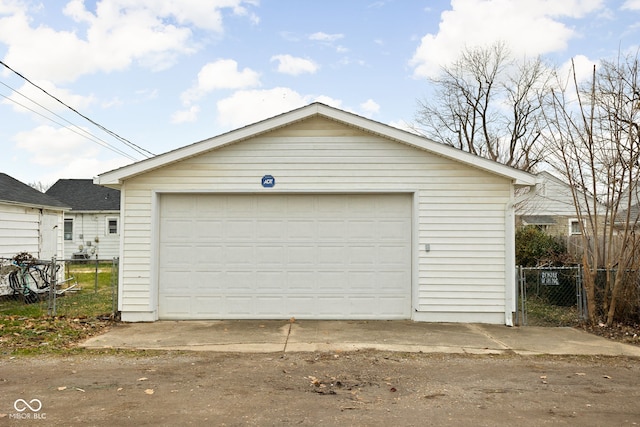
[(13, 191), (84, 195), (116, 177)]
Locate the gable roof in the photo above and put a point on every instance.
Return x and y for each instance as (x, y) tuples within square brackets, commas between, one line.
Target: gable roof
[(15, 192), (84, 195), (116, 177)]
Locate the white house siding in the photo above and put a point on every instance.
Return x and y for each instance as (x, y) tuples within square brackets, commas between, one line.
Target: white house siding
[(89, 227), (19, 227), (460, 211), (32, 230)]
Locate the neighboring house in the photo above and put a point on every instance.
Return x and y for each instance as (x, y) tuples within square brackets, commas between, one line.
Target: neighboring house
[(551, 208), (30, 221), (92, 226), (317, 214)]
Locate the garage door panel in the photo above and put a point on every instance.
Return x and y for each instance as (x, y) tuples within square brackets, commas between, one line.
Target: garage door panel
[(240, 281), (202, 306), (273, 256), (208, 229), (239, 230), (277, 256), (301, 230), (177, 229), (301, 256), (239, 255), (271, 229), (362, 230), (388, 230), (271, 281), (301, 281), (239, 305)]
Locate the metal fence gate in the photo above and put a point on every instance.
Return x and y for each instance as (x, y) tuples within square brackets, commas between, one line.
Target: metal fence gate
[(550, 296)]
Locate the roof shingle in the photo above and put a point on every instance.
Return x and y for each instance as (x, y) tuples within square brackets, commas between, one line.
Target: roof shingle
[(84, 195), (14, 191)]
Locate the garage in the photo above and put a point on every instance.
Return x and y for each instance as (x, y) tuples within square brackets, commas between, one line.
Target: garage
[(317, 213), (309, 256)]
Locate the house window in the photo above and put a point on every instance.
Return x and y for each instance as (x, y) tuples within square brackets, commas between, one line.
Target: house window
[(574, 227), (68, 229), (112, 225)]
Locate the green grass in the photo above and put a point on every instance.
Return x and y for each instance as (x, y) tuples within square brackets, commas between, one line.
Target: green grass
[(541, 313), (80, 313)]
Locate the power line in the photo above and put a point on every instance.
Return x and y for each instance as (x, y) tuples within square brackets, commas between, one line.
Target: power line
[(86, 134), (140, 150)]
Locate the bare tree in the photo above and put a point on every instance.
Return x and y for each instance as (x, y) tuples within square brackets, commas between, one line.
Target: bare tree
[(40, 186), (594, 133), (488, 104)]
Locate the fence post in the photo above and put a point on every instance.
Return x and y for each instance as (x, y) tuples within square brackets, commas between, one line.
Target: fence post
[(114, 287), (522, 284), (53, 282), (95, 288), (584, 308)]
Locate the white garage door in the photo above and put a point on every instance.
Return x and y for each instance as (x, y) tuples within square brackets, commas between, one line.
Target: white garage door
[(278, 256)]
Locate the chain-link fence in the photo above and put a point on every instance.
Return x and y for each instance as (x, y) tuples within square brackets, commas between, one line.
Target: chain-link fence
[(550, 296), (72, 288)]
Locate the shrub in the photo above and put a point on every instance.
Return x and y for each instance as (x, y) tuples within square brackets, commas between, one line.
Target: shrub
[(535, 248)]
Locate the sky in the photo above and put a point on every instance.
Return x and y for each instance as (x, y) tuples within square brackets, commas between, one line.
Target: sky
[(162, 74)]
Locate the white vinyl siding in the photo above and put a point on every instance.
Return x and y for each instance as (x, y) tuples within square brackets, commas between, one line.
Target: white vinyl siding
[(28, 229), (89, 227), (461, 210), (19, 230)]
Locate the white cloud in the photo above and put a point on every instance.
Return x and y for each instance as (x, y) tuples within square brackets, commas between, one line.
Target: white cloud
[(84, 168), (631, 5), (48, 145), (118, 34), (233, 111), (222, 74), (294, 66), (370, 107), (60, 153), (186, 116), (403, 125), (324, 37), (530, 28)]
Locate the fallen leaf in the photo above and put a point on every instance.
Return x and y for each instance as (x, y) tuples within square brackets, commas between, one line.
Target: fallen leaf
[(149, 391), (606, 376), (543, 377), (62, 388), (143, 379), (393, 390), (580, 374), (79, 389), (119, 389)]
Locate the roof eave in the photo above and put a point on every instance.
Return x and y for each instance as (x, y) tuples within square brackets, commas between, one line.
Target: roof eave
[(36, 206)]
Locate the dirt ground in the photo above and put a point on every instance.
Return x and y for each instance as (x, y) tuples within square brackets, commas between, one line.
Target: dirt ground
[(367, 388)]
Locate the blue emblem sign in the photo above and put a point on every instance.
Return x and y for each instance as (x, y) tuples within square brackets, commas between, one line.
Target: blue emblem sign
[(268, 181)]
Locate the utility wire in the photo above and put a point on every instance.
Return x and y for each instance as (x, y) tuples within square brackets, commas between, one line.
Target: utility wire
[(91, 137), (133, 146), (85, 133)]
